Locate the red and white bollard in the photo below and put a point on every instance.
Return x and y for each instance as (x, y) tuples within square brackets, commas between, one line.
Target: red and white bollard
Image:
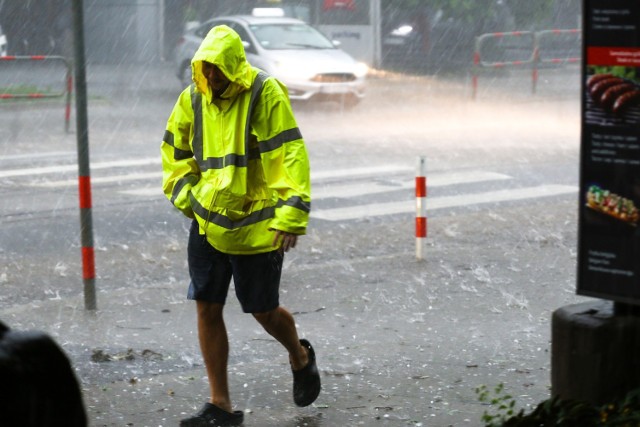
[(421, 207)]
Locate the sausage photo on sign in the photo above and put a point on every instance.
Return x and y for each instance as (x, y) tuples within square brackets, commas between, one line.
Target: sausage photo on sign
[(613, 94), (601, 86), (595, 78), (626, 100)]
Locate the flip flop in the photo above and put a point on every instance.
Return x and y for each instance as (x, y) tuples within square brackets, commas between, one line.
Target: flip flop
[(306, 381), (212, 416)]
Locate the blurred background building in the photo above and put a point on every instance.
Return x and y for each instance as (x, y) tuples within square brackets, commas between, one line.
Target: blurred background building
[(418, 34)]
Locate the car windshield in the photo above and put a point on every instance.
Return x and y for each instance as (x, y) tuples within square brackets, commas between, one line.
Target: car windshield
[(290, 36)]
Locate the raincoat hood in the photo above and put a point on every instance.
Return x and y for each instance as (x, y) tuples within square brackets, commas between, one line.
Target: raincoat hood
[(222, 47)]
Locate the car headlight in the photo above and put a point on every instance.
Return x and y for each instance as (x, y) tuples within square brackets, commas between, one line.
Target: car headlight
[(402, 31), (361, 69)]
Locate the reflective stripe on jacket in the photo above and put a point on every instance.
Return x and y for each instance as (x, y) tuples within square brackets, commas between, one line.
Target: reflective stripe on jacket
[(236, 164)]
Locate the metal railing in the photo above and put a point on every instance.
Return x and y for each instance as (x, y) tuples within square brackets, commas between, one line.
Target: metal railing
[(67, 86), (532, 49)]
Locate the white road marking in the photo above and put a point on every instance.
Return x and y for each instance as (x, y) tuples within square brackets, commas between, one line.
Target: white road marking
[(325, 191), (409, 206), (315, 176), (144, 192), (102, 180), (353, 172), (71, 168), (329, 189), (47, 154), (437, 180)]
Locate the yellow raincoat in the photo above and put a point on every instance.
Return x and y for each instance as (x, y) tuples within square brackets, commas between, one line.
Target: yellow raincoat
[(237, 164)]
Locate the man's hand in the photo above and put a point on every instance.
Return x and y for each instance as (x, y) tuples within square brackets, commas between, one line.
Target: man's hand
[(284, 241)]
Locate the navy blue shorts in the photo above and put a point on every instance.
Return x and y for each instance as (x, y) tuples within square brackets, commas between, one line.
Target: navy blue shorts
[(256, 277)]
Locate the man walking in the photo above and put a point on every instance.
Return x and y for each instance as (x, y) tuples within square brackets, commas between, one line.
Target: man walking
[(235, 162)]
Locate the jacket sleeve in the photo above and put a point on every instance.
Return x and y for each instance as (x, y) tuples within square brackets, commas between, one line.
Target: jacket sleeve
[(180, 170), (284, 158)]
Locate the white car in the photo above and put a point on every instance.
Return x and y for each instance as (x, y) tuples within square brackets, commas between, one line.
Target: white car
[(309, 64), (3, 43)]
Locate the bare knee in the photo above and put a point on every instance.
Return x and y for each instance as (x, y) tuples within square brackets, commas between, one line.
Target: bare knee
[(265, 318), (210, 312)]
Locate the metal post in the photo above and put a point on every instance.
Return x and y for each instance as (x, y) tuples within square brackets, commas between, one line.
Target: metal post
[(421, 207), (534, 72), (84, 175), (160, 23), (377, 33), (475, 69), (69, 83)]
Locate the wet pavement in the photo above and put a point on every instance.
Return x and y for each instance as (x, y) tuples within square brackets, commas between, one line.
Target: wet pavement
[(399, 341)]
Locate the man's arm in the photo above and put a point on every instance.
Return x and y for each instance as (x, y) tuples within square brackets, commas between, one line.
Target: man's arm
[(285, 162), (180, 171)]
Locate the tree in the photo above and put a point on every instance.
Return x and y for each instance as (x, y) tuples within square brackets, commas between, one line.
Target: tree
[(525, 13), (531, 14)]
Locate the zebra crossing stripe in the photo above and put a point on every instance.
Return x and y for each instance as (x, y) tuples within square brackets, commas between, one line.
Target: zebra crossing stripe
[(104, 180), (320, 191), (435, 203), (10, 173)]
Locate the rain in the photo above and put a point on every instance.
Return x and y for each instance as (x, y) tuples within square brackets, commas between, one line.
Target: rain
[(400, 341)]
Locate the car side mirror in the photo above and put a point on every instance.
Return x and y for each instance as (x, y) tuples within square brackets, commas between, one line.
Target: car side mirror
[(189, 25), (248, 47)]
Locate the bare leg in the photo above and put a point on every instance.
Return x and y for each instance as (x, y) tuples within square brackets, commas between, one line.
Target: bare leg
[(214, 345), (279, 324)]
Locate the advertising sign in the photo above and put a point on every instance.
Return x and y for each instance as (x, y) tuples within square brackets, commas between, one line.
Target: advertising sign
[(609, 219)]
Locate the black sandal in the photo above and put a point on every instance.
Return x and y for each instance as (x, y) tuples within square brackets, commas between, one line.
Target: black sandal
[(306, 381), (212, 416)]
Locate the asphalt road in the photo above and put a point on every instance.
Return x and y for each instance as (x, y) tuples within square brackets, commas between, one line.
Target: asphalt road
[(401, 342)]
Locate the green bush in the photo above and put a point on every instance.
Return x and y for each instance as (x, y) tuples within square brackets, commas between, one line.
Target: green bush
[(559, 412)]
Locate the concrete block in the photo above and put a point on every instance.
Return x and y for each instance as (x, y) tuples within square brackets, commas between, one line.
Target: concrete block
[(595, 353)]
